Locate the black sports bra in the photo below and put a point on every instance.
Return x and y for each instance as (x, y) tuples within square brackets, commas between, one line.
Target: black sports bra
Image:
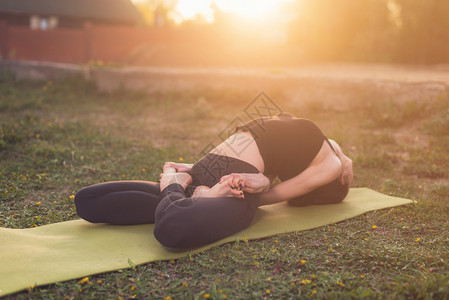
[(287, 144)]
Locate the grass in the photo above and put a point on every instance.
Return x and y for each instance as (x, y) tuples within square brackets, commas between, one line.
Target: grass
[(56, 137)]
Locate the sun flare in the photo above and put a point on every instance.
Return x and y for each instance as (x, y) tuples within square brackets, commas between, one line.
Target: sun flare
[(247, 9), (189, 9)]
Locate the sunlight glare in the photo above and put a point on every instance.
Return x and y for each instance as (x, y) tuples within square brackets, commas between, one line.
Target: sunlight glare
[(189, 9), (248, 9)]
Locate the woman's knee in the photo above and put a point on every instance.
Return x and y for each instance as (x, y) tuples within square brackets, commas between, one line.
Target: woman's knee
[(202, 222), (85, 205), (172, 233)]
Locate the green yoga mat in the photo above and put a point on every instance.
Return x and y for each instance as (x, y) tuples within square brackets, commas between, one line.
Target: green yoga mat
[(74, 249)]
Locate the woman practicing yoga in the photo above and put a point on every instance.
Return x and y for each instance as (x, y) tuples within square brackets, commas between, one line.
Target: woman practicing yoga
[(196, 204)]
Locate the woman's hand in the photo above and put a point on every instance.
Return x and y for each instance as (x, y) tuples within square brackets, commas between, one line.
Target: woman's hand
[(177, 166), (247, 182)]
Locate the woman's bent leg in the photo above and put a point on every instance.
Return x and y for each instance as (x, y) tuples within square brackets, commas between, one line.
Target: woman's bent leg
[(188, 222), (119, 202)]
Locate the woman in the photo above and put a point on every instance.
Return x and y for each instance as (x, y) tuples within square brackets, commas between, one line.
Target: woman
[(196, 204)]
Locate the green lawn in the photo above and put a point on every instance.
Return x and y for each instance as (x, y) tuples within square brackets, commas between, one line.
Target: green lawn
[(56, 137)]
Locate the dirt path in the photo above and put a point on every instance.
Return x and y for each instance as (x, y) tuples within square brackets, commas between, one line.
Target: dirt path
[(338, 85)]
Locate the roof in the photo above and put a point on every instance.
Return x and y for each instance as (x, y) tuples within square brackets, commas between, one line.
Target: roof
[(122, 10)]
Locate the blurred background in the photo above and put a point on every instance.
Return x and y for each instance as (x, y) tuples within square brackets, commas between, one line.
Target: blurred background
[(245, 33)]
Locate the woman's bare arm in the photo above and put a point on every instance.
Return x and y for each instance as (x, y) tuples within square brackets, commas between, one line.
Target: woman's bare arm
[(247, 182), (347, 173), (325, 168)]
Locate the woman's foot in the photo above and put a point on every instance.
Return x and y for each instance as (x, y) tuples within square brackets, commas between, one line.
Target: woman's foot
[(184, 179), (218, 190)]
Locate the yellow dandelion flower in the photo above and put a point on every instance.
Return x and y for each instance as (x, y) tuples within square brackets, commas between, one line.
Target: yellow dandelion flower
[(313, 276), (99, 281), (184, 284), (206, 296), (72, 197), (269, 278), (365, 239), (144, 170), (302, 261), (220, 291), (77, 180), (299, 233), (313, 292), (84, 280), (374, 227), (362, 276), (418, 240), (225, 296), (267, 291), (38, 203), (168, 298), (274, 250), (181, 159), (172, 261), (340, 283), (305, 281), (34, 225)]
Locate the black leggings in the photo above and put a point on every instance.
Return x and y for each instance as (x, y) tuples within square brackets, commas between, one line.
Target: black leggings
[(181, 221)]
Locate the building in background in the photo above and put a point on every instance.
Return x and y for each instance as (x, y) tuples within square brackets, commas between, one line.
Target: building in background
[(77, 31), (52, 14)]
